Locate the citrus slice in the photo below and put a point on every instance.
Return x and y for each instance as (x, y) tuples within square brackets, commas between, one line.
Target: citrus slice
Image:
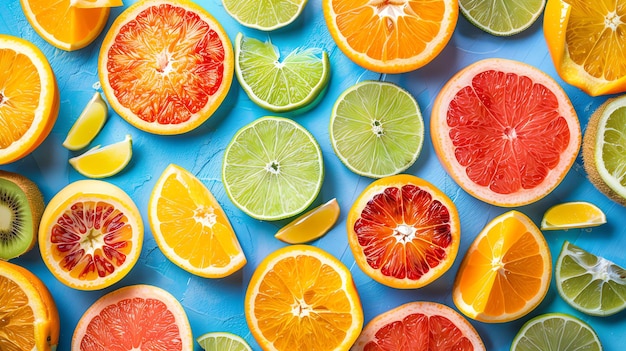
[(90, 234), (419, 326), (556, 332), (264, 15), (506, 271), (391, 36), (88, 124), (95, 3), (30, 320), (603, 143), (63, 25), (102, 162), (190, 227), (569, 215), (135, 317), (222, 341), (292, 83), (165, 65), (502, 17), (310, 225), (585, 42), (376, 129), (505, 132), (29, 98), (273, 168), (403, 231), (302, 298), (589, 283)]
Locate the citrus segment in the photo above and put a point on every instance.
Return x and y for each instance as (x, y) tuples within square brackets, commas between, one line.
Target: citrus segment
[(222, 341), (190, 227), (96, 3), (264, 15), (88, 124), (506, 271), (568, 215), (502, 18), (102, 162), (556, 332), (403, 231), (90, 235), (165, 65), (302, 298), (505, 132), (310, 225)]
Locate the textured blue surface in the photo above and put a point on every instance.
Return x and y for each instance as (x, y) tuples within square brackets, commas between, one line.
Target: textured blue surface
[(217, 305)]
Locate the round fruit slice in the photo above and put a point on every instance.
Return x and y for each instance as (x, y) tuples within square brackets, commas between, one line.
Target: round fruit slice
[(591, 284), (506, 271), (570, 215), (302, 298), (30, 320), (310, 225), (505, 132), (88, 124), (190, 227), (556, 332), (29, 98), (391, 36), (376, 129), (166, 65), (273, 168), (502, 17), (419, 326), (102, 162), (264, 15), (403, 231), (222, 341), (90, 235), (136, 317)]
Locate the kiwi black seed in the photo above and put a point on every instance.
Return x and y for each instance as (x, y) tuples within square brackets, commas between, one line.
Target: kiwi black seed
[(21, 207)]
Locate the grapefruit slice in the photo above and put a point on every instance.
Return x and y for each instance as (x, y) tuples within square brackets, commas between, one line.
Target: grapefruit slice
[(419, 326), (505, 132), (403, 231), (136, 317)]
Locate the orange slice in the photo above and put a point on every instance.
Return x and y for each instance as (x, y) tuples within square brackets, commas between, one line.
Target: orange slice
[(302, 298), (311, 225), (391, 36), (506, 271)]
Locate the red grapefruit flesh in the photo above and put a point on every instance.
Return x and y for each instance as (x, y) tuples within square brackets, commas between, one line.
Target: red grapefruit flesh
[(505, 131)]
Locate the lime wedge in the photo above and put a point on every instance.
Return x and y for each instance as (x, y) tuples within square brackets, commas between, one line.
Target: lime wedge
[(280, 86), (591, 284), (222, 341), (570, 215), (88, 124), (264, 15), (273, 168), (556, 332), (310, 225), (102, 162), (502, 17), (376, 129)]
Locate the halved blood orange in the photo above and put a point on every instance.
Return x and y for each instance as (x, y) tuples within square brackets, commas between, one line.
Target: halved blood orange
[(419, 326), (403, 231), (136, 317), (505, 131), (166, 65), (90, 235)]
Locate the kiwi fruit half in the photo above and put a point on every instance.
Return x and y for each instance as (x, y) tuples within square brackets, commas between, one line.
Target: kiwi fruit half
[(21, 207)]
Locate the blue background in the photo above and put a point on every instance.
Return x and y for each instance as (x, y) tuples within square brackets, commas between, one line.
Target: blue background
[(217, 305)]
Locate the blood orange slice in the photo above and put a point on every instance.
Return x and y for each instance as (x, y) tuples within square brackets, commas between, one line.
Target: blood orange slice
[(403, 231), (505, 132), (419, 326), (136, 317), (166, 66)]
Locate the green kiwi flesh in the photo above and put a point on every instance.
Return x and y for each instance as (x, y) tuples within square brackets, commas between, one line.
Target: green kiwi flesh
[(21, 207)]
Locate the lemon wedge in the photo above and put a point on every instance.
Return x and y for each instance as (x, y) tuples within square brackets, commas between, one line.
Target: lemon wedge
[(311, 225), (102, 162), (571, 215), (89, 4), (88, 124)]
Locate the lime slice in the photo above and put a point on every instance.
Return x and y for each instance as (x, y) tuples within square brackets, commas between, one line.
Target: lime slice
[(502, 17), (265, 15), (591, 284), (376, 129), (570, 215), (280, 86), (102, 162), (556, 332), (222, 341), (88, 124), (273, 168), (311, 225)]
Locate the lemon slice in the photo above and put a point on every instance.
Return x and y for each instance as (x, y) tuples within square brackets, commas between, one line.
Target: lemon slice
[(89, 4), (88, 124), (570, 215), (311, 225), (102, 162)]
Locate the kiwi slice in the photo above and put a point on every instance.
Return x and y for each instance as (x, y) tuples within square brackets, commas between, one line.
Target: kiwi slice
[(21, 206)]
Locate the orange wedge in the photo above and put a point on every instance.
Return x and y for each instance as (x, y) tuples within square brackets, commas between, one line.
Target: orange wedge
[(311, 225)]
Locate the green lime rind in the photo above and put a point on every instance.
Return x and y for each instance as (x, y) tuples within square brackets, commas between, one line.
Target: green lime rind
[(266, 15), (502, 17), (280, 86), (590, 284), (556, 332), (610, 144), (376, 129), (273, 168), (222, 341)]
